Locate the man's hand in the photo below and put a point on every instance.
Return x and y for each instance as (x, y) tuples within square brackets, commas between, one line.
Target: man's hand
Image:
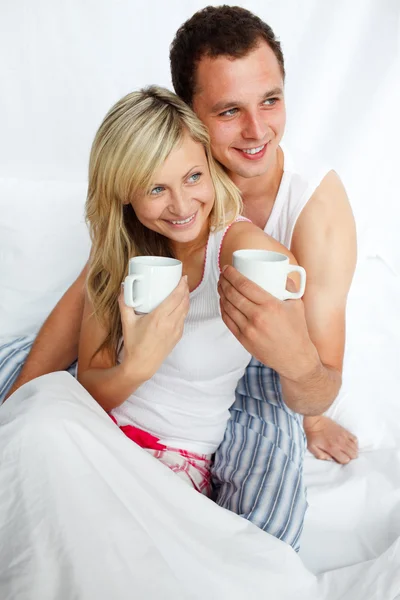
[(327, 440), (273, 331)]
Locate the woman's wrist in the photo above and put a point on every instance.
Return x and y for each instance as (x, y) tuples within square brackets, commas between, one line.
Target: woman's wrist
[(133, 370)]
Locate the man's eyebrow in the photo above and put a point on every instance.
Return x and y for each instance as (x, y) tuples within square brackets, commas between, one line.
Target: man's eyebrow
[(225, 104), (278, 91)]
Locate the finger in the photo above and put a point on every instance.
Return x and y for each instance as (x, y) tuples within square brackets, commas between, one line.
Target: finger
[(352, 451), (174, 299), (179, 311), (340, 456), (229, 293), (127, 312), (318, 453), (235, 315), (351, 442), (353, 439), (290, 285), (231, 325), (245, 287), (220, 290)]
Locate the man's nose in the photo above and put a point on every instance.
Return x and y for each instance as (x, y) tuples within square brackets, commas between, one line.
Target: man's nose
[(254, 127)]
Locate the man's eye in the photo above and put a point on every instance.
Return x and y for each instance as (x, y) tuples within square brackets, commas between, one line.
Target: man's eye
[(194, 178), (157, 190), (270, 101), (228, 113)]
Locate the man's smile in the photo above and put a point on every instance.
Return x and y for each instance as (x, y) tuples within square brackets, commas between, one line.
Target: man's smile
[(252, 153)]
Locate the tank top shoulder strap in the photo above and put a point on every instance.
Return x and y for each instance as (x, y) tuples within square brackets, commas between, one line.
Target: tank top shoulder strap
[(299, 182), (217, 238)]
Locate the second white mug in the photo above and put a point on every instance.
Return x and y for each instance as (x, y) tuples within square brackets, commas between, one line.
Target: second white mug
[(270, 271), (151, 279)]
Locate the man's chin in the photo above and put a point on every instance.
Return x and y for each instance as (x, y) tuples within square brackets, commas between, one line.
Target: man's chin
[(248, 172)]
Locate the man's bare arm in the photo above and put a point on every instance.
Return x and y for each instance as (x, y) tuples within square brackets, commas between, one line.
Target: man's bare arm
[(328, 253), (56, 345), (302, 341)]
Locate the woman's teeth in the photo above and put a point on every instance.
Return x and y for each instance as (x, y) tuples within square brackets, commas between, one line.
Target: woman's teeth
[(253, 150), (184, 221)]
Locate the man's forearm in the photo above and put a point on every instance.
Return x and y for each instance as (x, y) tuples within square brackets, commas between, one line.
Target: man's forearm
[(313, 393), (56, 345)]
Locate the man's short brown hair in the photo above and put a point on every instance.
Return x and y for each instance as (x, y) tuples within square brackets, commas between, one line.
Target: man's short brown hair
[(216, 31)]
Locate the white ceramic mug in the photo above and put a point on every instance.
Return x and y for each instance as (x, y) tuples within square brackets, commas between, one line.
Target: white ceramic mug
[(269, 270), (151, 279)]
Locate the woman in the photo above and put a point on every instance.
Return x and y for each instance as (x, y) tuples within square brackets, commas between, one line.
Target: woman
[(154, 189)]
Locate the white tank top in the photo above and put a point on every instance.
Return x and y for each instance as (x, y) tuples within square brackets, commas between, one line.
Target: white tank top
[(299, 181), (186, 403)]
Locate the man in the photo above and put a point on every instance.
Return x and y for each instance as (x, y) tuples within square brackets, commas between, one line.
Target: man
[(227, 64)]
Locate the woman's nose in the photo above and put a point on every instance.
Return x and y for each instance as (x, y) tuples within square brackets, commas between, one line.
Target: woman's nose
[(180, 204)]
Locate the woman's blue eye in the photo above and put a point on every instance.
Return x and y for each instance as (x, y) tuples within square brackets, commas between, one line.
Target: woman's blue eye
[(156, 190), (195, 177)]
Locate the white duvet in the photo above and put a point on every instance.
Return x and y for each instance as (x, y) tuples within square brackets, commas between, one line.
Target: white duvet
[(85, 514)]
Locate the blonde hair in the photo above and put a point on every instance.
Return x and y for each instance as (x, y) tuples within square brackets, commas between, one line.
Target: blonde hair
[(135, 138)]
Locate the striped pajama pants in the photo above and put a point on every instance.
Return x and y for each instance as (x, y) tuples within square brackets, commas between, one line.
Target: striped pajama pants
[(258, 468)]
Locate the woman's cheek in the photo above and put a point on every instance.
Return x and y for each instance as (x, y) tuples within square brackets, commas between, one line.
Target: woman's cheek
[(149, 211)]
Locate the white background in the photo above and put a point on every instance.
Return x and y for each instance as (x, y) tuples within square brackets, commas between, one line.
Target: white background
[(63, 64)]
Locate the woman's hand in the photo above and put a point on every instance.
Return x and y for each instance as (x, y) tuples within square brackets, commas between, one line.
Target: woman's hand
[(148, 339)]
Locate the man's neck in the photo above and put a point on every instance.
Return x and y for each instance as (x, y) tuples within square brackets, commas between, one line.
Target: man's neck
[(259, 193)]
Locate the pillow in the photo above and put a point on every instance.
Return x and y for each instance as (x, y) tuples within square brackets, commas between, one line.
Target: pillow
[(44, 244)]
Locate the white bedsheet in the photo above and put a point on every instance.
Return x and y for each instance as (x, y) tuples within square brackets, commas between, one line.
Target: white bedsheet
[(86, 514)]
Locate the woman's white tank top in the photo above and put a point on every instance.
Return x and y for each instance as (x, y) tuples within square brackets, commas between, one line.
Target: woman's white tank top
[(186, 402)]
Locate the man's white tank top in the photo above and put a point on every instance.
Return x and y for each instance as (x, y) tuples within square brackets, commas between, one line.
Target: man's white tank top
[(186, 402), (301, 176)]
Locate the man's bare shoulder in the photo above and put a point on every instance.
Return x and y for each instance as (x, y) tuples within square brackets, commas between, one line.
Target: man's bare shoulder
[(324, 240), (330, 191), (327, 214)]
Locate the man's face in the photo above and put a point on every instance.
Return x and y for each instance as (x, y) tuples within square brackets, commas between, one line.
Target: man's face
[(241, 102)]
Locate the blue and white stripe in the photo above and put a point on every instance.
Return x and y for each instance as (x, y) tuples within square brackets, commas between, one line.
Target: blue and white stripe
[(13, 354), (258, 469), (12, 357)]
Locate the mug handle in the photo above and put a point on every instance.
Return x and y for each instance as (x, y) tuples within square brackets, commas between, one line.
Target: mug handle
[(128, 290), (296, 295)]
